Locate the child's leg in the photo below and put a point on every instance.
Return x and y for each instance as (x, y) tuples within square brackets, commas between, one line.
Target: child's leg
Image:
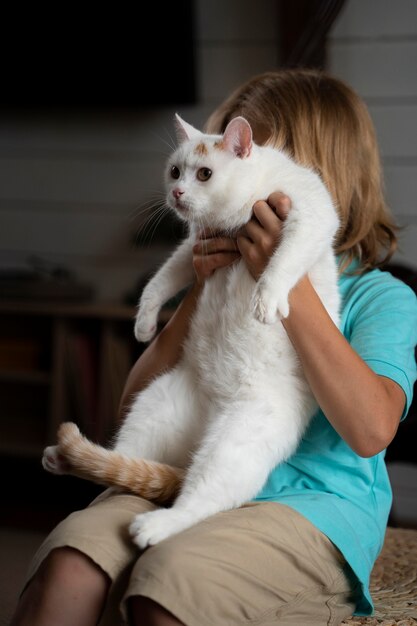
[(261, 564), (67, 589), (87, 555)]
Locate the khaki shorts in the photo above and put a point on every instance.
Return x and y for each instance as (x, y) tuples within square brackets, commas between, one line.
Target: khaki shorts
[(261, 564)]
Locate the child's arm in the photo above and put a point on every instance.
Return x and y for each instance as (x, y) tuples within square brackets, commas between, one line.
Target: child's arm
[(364, 408), (165, 350)]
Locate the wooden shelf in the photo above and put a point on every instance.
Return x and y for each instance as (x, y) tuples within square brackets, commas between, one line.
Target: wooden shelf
[(25, 377), (19, 448), (91, 310), (61, 361)]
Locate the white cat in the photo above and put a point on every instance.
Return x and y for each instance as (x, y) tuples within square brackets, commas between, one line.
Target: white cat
[(237, 403)]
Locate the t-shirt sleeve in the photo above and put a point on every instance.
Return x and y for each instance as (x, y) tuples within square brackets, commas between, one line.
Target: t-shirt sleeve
[(384, 333)]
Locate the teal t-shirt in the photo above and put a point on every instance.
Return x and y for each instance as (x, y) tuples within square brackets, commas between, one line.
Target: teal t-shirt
[(344, 495)]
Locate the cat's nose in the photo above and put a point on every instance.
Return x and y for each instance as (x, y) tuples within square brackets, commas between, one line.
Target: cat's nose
[(177, 193)]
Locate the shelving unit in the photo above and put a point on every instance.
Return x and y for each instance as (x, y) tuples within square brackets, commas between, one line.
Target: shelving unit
[(61, 362)]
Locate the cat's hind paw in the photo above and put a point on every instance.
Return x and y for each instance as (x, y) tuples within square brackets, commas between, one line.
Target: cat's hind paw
[(53, 461), (148, 529)]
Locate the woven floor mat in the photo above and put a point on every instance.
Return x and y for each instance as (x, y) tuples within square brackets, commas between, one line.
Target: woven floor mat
[(394, 582)]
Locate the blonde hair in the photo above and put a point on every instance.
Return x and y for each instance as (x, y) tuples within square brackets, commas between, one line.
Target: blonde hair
[(323, 124)]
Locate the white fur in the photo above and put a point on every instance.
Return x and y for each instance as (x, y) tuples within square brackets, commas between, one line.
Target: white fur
[(237, 403)]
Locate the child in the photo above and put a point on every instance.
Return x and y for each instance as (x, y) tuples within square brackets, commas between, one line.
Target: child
[(302, 551)]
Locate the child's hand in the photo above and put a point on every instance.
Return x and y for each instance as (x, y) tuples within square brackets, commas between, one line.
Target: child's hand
[(211, 253), (258, 239)]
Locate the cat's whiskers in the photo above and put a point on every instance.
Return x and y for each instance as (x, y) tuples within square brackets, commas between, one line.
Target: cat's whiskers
[(152, 222), (159, 217), (156, 196), (171, 143), (147, 229)]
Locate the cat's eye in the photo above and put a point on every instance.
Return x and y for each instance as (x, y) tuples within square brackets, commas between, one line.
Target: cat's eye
[(204, 173), (175, 172)]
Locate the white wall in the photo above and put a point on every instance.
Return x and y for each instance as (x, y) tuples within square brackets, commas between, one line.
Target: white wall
[(373, 46), (73, 191)]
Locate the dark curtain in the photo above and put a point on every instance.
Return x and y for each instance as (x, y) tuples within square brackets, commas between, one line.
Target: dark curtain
[(303, 29)]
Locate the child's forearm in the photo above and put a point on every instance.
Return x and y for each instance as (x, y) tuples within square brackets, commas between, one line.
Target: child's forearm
[(163, 352), (363, 407)]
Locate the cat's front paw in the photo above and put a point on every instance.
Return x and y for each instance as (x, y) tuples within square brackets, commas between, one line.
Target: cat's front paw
[(268, 307), (148, 529), (146, 322), (53, 461)]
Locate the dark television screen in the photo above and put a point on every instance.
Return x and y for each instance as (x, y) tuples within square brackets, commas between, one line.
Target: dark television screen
[(105, 56)]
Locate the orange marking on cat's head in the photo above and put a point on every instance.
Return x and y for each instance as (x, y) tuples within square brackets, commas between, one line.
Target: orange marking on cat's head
[(201, 149), (219, 145)]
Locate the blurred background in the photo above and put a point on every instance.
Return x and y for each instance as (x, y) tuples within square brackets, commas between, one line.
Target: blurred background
[(86, 123)]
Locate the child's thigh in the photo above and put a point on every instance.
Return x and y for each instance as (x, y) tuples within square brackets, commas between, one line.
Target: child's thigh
[(263, 563), (100, 531)]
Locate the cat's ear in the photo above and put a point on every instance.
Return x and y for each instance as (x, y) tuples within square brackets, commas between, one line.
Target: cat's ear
[(237, 137), (184, 130)]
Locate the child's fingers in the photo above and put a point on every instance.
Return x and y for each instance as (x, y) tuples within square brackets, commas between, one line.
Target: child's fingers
[(206, 265), (215, 245), (266, 217), (280, 204), (253, 230), (209, 233), (265, 226)]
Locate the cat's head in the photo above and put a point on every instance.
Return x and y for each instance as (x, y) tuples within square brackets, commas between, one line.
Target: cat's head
[(207, 177)]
